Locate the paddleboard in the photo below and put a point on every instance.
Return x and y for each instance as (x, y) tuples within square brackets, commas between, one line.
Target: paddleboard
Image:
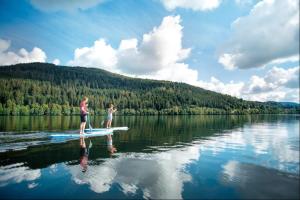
[(87, 134), (124, 128)]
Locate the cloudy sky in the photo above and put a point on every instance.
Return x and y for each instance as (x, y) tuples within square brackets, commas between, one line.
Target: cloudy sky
[(244, 48)]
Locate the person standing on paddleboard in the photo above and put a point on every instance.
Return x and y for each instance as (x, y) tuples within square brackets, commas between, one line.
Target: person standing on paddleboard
[(110, 111), (83, 114)]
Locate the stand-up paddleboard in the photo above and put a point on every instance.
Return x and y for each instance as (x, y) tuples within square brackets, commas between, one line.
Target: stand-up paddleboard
[(86, 134), (124, 128)]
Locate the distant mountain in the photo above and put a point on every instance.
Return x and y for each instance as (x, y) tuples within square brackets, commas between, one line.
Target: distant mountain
[(289, 104), (42, 88)]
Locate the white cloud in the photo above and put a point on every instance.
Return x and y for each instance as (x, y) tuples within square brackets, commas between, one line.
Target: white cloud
[(99, 55), (232, 88), (64, 5), (196, 5), (159, 49), (23, 56), (158, 56), (4, 45), (285, 60), (283, 77), (227, 60), (56, 61), (268, 34), (278, 84), (179, 72)]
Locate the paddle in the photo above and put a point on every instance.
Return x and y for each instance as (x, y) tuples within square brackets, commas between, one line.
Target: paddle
[(89, 119)]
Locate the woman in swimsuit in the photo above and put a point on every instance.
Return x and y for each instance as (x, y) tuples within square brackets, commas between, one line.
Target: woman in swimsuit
[(110, 111), (83, 114)]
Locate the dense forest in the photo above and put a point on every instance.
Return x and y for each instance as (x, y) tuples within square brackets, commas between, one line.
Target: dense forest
[(47, 89)]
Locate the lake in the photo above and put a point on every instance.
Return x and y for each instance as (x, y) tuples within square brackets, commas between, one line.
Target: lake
[(175, 157)]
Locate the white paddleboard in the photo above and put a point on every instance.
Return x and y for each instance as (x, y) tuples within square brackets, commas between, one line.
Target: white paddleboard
[(124, 128), (87, 134)]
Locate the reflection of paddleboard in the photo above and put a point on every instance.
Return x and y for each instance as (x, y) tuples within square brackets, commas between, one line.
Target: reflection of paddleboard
[(125, 128), (87, 134)]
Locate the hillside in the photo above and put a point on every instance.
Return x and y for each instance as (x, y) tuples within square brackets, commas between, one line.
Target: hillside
[(47, 89)]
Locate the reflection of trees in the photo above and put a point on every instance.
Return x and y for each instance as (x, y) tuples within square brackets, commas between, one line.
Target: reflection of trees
[(171, 129), (144, 132), (38, 123)]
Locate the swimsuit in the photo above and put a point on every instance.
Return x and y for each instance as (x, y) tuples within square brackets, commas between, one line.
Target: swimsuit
[(83, 114), (109, 116)]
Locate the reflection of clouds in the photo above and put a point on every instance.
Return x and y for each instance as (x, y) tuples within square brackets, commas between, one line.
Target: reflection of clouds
[(161, 175), (230, 170), (53, 168), (275, 141), (32, 185), (158, 175), (17, 173), (99, 178), (254, 181)]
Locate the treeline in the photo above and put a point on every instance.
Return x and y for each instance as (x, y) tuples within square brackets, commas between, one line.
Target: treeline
[(45, 89)]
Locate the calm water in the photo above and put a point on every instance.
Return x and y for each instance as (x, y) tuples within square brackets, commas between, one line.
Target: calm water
[(158, 157)]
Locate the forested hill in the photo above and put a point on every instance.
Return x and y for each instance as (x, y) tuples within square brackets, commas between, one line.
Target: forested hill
[(47, 89)]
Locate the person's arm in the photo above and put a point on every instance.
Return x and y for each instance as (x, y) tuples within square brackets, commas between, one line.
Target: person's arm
[(82, 110), (86, 110)]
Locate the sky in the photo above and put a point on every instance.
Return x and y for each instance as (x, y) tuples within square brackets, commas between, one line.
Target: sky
[(244, 48)]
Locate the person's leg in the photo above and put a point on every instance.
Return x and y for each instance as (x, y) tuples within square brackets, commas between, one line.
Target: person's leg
[(80, 128), (83, 126), (107, 124), (81, 123)]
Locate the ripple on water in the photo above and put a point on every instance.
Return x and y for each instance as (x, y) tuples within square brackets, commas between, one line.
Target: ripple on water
[(15, 141)]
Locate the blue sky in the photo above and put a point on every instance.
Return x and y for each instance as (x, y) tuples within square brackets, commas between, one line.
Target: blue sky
[(210, 48)]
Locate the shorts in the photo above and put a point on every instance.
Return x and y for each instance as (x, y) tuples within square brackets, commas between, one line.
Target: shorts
[(109, 118), (83, 118)]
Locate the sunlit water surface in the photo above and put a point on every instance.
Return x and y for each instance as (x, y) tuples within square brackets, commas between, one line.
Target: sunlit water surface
[(158, 157)]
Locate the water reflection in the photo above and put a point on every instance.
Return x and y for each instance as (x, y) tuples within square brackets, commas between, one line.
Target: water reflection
[(17, 173), (110, 147), (84, 154), (159, 158), (158, 175), (270, 145), (253, 181)]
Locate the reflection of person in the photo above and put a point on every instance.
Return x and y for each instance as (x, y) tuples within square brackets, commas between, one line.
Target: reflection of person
[(84, 153), (110, 148), (83, 114), (110, 111)]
